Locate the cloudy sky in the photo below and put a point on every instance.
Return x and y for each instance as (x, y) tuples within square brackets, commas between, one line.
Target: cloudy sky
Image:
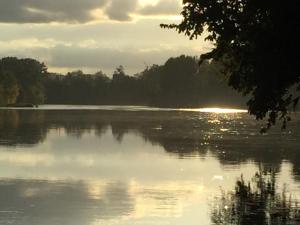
[(93, 35)]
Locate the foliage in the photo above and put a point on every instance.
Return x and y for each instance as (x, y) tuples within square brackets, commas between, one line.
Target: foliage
[(21, 81), (177, 83), (9, 89), (256, 203), (257, 42)]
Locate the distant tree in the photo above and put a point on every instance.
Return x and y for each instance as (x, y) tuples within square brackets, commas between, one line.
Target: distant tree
[(177, 83), (78, 88), (258, 44), (213, 89), (101, 75), (124, 87), (181, 83), (150, 84), (75, 73), (101, 88), (119, 73), (54, 88), (178, 80), (9, 89), (23, 79)]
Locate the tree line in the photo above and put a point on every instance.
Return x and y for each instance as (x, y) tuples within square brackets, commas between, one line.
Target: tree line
[(180, 82), (21, 81)]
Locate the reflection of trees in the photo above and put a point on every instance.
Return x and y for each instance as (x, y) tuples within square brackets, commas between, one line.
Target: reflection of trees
[(75, 122), (256, 203), (21, 127), (119, 129), (41, 202), (29, 127), (232, 139)]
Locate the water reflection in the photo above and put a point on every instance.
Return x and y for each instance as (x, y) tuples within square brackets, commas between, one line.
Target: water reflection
[(257, 202), (41, 202), (112, 167), (24, 128), (232, 138)]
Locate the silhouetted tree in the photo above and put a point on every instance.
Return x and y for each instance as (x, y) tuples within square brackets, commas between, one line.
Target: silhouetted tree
[(177, 83), (178, 80), (257, 42), (124, 88), (150, 84), (9, 88), (22, 80)]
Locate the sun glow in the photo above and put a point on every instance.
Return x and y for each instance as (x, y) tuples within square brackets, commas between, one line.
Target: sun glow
[(222, 110), (216, 110)]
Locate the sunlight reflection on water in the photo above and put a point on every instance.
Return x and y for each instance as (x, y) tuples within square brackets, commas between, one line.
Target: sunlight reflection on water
[(130, 108), (216, 110), (132, 167)]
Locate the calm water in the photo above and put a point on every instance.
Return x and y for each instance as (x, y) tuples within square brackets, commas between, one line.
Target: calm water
[(134, 165)]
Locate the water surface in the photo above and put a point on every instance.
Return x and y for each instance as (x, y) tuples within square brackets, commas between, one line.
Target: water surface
[(134, 165)]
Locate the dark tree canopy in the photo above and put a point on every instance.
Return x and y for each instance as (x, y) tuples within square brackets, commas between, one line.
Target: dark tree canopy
[(177, 83), (258, 44), (21, 81)]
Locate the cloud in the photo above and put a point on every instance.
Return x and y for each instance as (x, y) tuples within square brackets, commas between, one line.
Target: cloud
[(163, 7), (73, 57), (94, 46), (120, 9), (45, 11), (28, 43), (107, 59), (80, 11)]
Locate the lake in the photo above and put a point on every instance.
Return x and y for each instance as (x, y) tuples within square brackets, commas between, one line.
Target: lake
[(94, 165)]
